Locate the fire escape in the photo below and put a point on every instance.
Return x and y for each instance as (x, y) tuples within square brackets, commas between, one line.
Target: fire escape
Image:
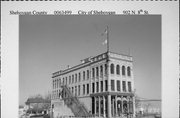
[(73, 103)]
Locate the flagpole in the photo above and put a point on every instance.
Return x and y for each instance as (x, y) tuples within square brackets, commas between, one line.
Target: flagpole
[(107, 39)]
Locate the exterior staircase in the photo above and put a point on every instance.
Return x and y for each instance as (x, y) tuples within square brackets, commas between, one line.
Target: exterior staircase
[(73, 103)]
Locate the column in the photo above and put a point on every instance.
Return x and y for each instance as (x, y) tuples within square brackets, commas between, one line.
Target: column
[(99, 84), (109, 106), (128, 104), (99, 110), (95, 105), (104, 106), (122, 105), (121, 86), (95, 85), (99, 79), (134, 114), (113, 107), (127, 86), (90, 81), (116, 105), (108, 77)]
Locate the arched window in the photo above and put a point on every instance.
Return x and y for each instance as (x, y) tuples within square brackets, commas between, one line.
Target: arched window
[(117, 70), (123, 70), (112, 68), (129, 71)]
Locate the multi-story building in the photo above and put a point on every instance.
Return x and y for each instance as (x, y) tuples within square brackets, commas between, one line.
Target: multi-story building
[(102, 85)]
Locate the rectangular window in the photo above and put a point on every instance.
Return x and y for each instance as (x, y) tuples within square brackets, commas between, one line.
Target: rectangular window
[(124, 86), (66, 81), (79, 77), (72, 90), (101, 70), (87, 74), (75, 77), (129, 86), (105, 69), (72, 78), (60, 82), (75, 90), (87, 88), (53, 84), (97, 86), (57, 83), (93, 73), (97, 72), (92, 87), (83, 75), (106, 85), (79, 90), (101, 86), (69, 79), (112, 85), (118, 85), (83, 89)]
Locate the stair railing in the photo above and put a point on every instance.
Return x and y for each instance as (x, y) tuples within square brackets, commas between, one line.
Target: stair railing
[(79, 105)]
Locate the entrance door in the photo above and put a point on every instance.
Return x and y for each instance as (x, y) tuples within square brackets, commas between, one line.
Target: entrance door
[(119, 108), (125, 110)]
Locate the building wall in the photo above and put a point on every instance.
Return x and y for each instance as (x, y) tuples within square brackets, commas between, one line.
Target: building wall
[(149, 107), (70, 77), (60, 109), (121, 77), (87, 102)]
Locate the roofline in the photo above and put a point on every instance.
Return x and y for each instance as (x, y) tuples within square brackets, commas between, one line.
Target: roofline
[(62, 72), (121, 54)]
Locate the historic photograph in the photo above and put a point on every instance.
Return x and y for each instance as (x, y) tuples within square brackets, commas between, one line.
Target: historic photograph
[(90, 66)]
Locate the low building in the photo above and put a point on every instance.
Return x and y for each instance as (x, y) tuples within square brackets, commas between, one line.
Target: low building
[(38, 105), (149, 107)]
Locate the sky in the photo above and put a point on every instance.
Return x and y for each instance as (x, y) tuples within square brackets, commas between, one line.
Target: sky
[(50, 43)]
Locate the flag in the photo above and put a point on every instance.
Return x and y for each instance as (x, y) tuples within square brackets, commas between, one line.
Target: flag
[(105, 31), (105, 42), (105, 34)]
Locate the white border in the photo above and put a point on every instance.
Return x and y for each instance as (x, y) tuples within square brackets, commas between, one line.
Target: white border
[(170, 46)]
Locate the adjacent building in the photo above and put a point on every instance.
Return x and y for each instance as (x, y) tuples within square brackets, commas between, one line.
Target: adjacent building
[(38, 105), (102, 85)]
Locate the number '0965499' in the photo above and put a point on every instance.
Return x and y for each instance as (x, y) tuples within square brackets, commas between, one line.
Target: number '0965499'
[(62, 12)]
